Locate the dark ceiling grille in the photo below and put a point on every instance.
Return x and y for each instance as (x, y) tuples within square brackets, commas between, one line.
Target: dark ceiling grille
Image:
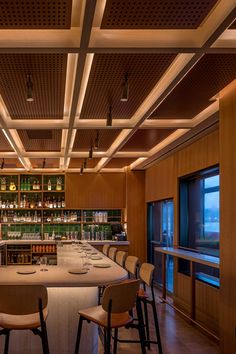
[(39, 134), (11, 163), (40, 144), (146, 139), (155, 14), (106, 78), (86, 137), (49, 163), (35, 14), (4, 144), (48, 74), (209, 76)]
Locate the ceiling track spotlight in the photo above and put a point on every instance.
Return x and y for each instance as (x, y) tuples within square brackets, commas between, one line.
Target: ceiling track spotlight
[(125, 89), (2, 164), (109, 117), (44, 163), (81, 170), (29, 87), (97, 141), (90, 153), (85, 163)]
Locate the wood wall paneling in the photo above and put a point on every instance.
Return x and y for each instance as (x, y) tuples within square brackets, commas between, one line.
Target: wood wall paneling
[(227, 219), (102, 190), (136, 228)]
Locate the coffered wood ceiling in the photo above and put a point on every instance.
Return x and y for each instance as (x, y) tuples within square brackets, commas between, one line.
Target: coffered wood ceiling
[(177, 56)]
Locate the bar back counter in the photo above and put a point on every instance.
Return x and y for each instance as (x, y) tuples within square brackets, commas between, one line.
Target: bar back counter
[(67, 294)]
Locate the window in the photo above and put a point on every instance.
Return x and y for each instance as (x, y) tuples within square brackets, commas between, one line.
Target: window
[(160, 233), (199, 212), (199, 221)]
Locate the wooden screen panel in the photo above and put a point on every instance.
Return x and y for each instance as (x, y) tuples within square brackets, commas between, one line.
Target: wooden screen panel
[(155, 14), (35, 14), (210, 75), (107, 76), (100, 190), (48, 76)]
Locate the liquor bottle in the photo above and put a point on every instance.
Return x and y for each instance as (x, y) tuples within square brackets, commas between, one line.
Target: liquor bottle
[(0, 202), (59, 202), (28, 185), (63, 204), (59, 184), (34, 185), (49, 185)]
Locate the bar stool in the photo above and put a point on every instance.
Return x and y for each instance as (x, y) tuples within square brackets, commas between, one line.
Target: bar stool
[(24, 307), (131, 265), (105, 249), (146, 276), (114, 313), (120, 258), (112, 253)]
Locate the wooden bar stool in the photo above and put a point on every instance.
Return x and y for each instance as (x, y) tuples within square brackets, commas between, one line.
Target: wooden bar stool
[(105, 249), (112, 253), (146, 276), (121, 257), (114, 313), (131, 265), (24, 307)]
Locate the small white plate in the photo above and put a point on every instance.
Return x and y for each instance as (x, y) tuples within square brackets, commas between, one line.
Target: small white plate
[(78, 271), (102, 265), (95, 257), (26, 271), (93, 253)]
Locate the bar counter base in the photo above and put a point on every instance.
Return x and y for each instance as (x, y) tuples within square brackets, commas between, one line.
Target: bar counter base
[(62, 323)]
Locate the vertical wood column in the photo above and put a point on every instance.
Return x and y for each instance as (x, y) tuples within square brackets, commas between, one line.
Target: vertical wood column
[(228, 219), (136, 211)]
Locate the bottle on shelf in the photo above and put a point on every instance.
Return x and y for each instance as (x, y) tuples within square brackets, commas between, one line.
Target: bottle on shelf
[(49, 185), (59, 184), (3, 182)]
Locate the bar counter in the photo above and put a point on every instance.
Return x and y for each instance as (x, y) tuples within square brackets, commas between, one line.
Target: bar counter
[(67, 294)]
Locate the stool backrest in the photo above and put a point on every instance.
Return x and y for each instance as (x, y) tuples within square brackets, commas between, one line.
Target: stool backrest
[(112, 253), (131, 264), (146, 273), (22, 299), (105, 249), (120, 258), (122, 296)]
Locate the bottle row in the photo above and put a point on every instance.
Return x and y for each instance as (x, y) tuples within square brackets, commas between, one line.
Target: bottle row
[(18, 257), (29, 201), (29, 183), (44, 248)]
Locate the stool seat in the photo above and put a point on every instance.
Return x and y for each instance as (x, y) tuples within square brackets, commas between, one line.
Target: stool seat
[(22, 322), (97, 315)]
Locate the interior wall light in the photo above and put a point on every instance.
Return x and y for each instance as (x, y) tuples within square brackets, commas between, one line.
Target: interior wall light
[(2, 164), (125, 89), (90, 153), (29, 87), (109, 117), (97, 141)]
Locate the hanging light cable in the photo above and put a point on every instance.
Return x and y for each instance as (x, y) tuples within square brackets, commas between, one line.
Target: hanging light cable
[(90, 153), (109, 117), (97, 141), (29, 89), (125, 89)]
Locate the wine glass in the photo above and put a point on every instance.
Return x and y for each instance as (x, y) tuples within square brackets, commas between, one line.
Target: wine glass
[(43, 263)]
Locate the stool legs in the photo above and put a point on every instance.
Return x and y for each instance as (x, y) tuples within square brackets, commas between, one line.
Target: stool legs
[(44, 338), (157, 327), (79, 334), (6, 347), (146, 324), (115, 341), (141, 325)]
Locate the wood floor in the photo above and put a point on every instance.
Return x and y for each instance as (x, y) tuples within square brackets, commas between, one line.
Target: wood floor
[(178, 336)]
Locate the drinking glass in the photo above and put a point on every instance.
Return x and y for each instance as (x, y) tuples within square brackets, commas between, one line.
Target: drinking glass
[(43, 264)]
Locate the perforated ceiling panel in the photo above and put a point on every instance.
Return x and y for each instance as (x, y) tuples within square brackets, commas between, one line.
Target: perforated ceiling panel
[(11, 163), (106, 79), (86, 137), (155, 14), (119, 162), (210, 75), (145, 139), (48, 75), (77, 162), (49, 163), (41, 144), (4, 144), (32, 14)]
